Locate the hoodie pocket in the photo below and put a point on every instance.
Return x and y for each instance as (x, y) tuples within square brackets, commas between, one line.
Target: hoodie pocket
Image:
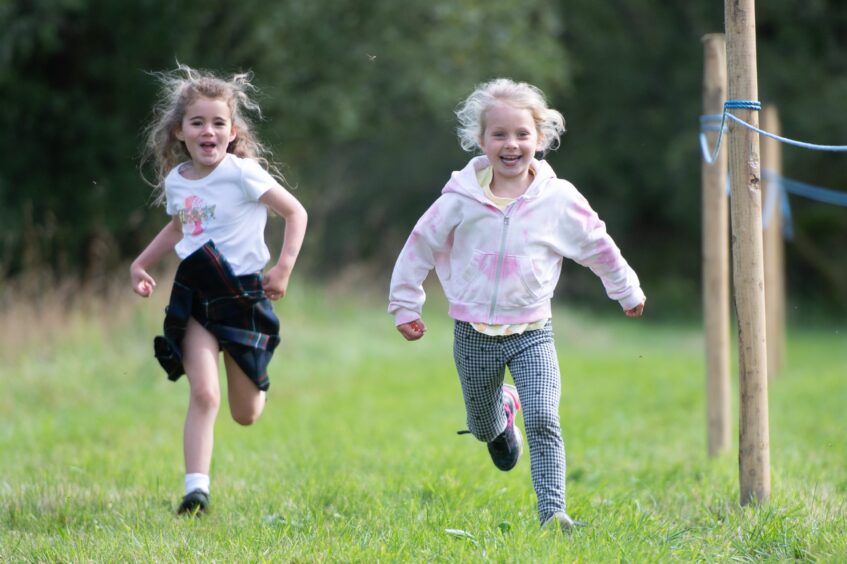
[(476, 285), (518, 285)]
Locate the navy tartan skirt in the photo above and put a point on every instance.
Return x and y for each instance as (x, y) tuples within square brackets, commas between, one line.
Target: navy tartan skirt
[(233, 308)]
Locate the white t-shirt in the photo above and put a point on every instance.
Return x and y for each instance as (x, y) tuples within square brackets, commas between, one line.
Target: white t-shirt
[(223, 207)]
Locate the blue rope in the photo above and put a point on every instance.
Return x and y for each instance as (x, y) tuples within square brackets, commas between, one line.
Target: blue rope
[(706, 119), (774, 188), (729, 104), (778, 183), (776, 191), (707, 125), (812, 146), (742, 104), (782, 186), (787, 224), (786, 186), (807, 191)]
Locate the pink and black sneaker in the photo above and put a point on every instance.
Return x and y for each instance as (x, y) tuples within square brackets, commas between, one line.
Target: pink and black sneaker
[(506, 449)]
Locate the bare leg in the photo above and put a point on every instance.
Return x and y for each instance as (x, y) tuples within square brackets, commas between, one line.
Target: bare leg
[(200, 358), (246, 401)]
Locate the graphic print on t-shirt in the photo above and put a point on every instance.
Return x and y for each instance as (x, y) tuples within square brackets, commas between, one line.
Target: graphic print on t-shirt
[(197, 213)]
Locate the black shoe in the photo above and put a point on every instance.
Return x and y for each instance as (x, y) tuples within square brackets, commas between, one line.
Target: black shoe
[(194, 503), (506, 449)]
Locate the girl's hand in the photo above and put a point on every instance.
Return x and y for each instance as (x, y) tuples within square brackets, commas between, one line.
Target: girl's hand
[(412, 330), (162, 244), (275, 282), (636, 311), (142, 283), (283, 203)]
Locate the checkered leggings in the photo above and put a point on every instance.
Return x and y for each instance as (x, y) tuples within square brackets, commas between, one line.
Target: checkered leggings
[(481, 361)]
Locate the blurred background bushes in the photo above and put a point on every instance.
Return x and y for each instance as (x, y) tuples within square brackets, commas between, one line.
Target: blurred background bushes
[(358, 98)]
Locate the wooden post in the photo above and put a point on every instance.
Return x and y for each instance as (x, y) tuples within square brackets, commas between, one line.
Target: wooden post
[(715, 253), (774, 248), (748, 271)]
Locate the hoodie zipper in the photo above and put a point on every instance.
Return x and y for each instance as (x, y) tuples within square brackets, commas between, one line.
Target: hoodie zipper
[(500, 259)]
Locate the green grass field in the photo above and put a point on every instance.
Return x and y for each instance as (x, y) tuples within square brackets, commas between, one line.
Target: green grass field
[(357, 459)]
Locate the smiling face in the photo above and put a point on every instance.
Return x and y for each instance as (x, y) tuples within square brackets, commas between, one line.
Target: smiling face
[(510, 141), (207, 130)]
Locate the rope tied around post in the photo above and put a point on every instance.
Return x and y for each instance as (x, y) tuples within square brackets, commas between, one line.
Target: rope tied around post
[(706, 124), (754, 105), (784, 185)]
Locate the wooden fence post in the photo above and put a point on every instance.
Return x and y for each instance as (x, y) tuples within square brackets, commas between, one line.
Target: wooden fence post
[(715, 253), (774, 247), (747, 261)]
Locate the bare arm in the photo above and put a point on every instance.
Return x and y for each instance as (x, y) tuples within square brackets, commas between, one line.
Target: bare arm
[(292, 211), (162, 244)]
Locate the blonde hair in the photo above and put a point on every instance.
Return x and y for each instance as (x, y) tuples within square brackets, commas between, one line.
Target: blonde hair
[(471, 112), (180, 88)]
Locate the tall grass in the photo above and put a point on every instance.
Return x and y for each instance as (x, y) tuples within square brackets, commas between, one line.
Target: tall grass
[(356, 457)]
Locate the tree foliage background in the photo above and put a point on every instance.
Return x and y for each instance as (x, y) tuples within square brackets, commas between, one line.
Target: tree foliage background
[(358, 98)]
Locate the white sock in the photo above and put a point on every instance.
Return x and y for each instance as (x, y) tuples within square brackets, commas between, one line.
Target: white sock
[(196, 482)]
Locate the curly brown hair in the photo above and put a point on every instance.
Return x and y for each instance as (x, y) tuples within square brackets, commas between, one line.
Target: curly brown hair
[(180, 88)]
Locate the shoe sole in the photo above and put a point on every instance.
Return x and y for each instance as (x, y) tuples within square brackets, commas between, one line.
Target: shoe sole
[(520, 444), (519, 440), (512, 392), (193, 504)]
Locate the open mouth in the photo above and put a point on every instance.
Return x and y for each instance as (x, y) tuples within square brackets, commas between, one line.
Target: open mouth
[(510, 159)]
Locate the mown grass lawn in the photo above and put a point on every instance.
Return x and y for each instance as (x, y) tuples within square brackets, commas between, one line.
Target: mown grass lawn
[(356, 457)]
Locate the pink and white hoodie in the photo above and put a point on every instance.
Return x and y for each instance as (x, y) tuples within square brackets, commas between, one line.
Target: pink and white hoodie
[(501, 266)]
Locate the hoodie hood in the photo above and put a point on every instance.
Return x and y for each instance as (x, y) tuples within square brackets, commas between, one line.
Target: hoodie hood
[(464, 182)]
